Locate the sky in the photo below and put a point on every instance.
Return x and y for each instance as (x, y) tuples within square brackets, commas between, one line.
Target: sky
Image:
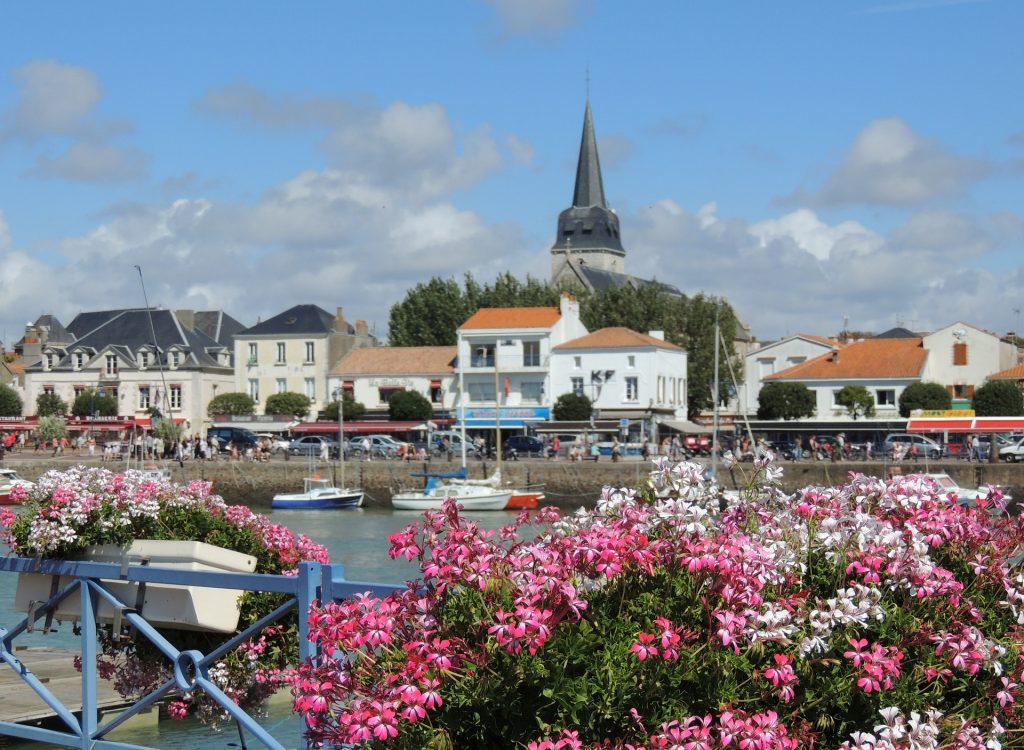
[(820, 165)]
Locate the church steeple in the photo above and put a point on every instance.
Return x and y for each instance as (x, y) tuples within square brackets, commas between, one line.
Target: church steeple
[(588, 231), (589, 186)]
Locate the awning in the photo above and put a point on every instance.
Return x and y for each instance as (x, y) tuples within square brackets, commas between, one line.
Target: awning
[(146, 422), (435, 383), (258, 426), (967, 424), (687, 427), (17, 425), (364, 427)]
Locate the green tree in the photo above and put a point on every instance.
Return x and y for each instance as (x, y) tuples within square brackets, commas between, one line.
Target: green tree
[(293, 404), (10, 402), (697, 336), (572, 407), (410, 406), (231, 403), (998, 398), (429, 315), (784, 400), (352, 410), (166, 428), (92, 401), (51, 428), (924, 396), (857, 400), (49, 404)]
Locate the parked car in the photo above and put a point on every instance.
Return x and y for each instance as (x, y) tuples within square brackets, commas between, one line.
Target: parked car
[(1012, 452), (925, 445), (381, 446), (278, 443), (524, 445), (454, 440), (239, 436), (310, 445)]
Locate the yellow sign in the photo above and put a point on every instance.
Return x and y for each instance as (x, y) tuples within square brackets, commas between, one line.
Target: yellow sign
[(943, 413)]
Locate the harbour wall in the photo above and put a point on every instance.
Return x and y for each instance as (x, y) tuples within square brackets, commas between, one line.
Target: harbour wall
[(565, 483)]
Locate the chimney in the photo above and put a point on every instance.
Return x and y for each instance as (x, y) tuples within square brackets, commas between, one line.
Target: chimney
[(187, 318), (660, 335), (834, 356), (569, 306), (362, 330), (339, 320)]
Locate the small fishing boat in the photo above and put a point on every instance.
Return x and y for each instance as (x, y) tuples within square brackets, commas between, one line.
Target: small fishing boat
[(522, 498), (441, 486), (9, 479), (318, 493)]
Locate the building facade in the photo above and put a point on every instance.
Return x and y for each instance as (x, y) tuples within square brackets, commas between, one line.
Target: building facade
[(372, 375), (503, 363), (115, 351), (293, 352)]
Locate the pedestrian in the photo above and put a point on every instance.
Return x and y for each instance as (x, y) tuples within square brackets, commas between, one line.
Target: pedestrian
[(616, 450), (366, 449), (324, 450), (92, 446), (556, 446), (976, 447)]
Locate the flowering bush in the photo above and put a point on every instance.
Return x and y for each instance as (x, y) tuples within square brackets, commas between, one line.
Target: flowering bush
[(871, 616), (69, 510)]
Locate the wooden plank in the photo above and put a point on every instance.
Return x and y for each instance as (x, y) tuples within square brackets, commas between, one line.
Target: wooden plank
[(55, 667)]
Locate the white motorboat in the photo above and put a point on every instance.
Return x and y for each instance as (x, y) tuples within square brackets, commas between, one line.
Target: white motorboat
[(469, 496), (964, 495), (9, 479), (318, 493)]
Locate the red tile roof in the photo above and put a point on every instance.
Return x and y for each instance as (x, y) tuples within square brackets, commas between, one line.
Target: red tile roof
[(412, 360), (870, 358), (1014, 373), (513, 317), (617, 338)]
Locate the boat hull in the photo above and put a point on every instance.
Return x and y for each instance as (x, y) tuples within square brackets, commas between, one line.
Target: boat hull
[(525, 500), (317, 500), (469, 497)]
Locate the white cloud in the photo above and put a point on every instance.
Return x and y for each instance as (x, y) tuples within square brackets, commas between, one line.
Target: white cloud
[(91, 162), (536, 16), (614, 150), (521, 151), (53, 99), (890, 164), (5, 233), (928, 270)]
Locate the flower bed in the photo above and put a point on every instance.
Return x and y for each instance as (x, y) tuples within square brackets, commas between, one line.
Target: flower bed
[(871, 616), (69, 511)]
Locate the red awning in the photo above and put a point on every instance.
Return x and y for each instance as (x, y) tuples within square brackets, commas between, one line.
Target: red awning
[(350, 384), (435, 383), (999, 424), (146, 422), (952, 424), (17, 426), (331, 428)]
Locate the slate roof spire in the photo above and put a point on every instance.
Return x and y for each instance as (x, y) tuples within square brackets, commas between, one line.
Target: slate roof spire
[(589, 186)]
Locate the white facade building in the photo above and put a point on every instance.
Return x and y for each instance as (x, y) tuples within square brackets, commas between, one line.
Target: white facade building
[(372, 375), (625, 374), (777, 356), (961, 357), (504, 353)]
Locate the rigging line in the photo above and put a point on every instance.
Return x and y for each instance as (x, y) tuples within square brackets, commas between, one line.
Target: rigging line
[(159, 360)]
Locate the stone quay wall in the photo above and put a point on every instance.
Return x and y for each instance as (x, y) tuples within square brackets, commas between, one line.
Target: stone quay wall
[(566, 484)]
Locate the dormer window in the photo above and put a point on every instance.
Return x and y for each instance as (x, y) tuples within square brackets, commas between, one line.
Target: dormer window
[(79, 360), (111, 360), (143, 360), (175, 357), (49, 361)]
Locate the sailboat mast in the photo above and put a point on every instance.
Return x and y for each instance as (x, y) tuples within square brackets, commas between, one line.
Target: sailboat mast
[(497, 409), (714, 396)]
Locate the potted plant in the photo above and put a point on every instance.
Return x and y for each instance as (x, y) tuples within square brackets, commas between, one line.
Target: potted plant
[(74, 513), (874, 615)]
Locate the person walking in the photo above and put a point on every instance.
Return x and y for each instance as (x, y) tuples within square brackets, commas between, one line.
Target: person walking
[(365, 445), (616, 450)]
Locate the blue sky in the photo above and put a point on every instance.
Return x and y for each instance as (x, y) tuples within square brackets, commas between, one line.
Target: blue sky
[(810, 161)]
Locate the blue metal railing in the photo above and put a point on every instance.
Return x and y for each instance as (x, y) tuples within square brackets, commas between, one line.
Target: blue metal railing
[(314, 582)]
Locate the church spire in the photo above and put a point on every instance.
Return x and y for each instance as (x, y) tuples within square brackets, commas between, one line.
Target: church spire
[(589, 187), (588, 231)]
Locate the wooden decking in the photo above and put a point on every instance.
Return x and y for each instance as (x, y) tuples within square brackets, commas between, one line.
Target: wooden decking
[(19, 703)]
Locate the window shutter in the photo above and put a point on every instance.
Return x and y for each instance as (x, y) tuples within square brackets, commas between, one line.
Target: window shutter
[(950, 390), (970, 391), (960, 354)]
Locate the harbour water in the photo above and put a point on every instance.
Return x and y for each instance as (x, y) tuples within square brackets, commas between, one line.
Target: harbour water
[(356, 538)]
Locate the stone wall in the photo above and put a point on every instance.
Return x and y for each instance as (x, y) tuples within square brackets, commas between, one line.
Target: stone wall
[(566, 484)]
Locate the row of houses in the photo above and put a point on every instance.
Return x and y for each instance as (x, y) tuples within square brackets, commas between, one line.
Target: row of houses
[(508, 367)]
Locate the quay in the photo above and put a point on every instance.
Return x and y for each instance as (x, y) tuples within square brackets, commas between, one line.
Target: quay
[(567, 484)]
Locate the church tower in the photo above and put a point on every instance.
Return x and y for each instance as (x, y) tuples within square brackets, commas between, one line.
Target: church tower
[(588, 231)]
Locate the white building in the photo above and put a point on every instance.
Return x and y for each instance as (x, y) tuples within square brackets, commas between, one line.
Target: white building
[(372, 375), (961, 357), (504, 353), (625, 374), (763, 362), (114, 351)]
